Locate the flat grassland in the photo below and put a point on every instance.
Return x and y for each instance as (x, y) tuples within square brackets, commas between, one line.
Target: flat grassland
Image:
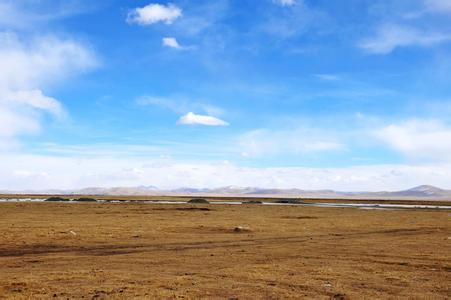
[(126, 250)]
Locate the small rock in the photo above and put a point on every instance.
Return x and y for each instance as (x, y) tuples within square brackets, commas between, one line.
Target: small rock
[(241, 229)]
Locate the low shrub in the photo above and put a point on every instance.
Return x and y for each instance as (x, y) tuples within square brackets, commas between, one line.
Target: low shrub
[(198, 201), (289, 201), (85, 200), (253, 202), (56, 199)]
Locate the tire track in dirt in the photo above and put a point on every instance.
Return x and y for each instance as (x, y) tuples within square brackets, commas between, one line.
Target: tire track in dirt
[(44, 249)]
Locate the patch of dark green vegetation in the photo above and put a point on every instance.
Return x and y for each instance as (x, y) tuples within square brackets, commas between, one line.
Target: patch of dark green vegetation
[(85, 200), (289, 201), (198, 201), (253, 202), (57, 199)]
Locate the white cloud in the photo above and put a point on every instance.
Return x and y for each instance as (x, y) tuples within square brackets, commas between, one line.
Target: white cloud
[(26, 69), (21, 171), (418, 139), (390, 36), (285, 2), (41, 60), (34, 99), (154, 13), (282, 142), (171, 42), (193, 119)]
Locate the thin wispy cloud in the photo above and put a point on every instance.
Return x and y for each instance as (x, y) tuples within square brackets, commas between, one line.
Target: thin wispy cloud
[(327, 77), (294, 19), (154, 13), (180, 105), (391, 36), (164, 102), (299, 141), (19, 15), (285, 2), (438, 6)]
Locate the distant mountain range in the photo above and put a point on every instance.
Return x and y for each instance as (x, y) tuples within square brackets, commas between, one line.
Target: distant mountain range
[(419, 192)]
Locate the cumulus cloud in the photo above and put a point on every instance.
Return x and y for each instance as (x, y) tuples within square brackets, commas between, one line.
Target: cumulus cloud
[(171, 42), (193, 119), (391, 36), (26, 69), (285, 2), (154, 13), (418, 139)]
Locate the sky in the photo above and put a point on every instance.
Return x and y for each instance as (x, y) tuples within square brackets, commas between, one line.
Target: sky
[(313, 94)]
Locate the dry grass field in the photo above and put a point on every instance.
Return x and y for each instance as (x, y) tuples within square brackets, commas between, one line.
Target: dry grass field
[(126, 250)]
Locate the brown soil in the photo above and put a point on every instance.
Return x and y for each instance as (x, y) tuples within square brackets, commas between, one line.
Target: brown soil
[(105, 250)]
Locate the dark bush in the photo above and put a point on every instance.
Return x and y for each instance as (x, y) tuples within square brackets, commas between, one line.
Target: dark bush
[(57, 199), (253, 202), (198, 201), (85, 200), (289, 201)]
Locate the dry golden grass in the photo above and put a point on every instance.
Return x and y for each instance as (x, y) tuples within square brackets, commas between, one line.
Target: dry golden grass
[(127, 250)]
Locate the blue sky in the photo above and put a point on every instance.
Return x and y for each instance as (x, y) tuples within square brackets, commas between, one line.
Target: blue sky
[(349, 95)]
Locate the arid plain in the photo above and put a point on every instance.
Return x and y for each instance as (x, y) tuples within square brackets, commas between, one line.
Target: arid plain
[(124, 250)]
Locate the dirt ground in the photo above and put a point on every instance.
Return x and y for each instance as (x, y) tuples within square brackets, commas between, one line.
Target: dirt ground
[(128, 250)]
